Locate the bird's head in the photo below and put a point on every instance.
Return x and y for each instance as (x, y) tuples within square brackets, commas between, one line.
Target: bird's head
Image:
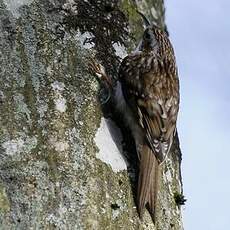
[(151, 36), (149, 39)]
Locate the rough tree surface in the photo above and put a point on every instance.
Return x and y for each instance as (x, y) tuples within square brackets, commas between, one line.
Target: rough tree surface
[(60, 166)]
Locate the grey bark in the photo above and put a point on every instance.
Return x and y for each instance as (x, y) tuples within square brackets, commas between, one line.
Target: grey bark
[(60, 166)]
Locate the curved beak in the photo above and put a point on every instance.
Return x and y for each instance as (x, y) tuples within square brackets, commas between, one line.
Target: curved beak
[(146, 21)]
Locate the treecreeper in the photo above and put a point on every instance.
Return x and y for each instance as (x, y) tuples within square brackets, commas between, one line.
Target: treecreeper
[(147, 96)]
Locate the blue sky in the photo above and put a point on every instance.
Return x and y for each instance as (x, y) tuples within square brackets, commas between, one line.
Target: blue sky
[(200, 33)]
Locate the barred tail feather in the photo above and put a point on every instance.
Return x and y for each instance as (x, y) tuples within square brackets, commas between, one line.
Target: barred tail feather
[(147, 182), (154, 190)]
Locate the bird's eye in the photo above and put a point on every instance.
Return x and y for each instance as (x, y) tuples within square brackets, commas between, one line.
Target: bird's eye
[(147, 35)]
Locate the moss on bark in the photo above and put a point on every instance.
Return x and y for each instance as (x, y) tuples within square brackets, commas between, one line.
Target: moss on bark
[(50, 177)]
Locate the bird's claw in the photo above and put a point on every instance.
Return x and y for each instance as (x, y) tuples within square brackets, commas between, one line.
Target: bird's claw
[(101, 76), (99, 71), (94, 67)]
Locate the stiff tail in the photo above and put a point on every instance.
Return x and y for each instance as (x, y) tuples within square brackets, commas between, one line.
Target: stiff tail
[(147, 182)]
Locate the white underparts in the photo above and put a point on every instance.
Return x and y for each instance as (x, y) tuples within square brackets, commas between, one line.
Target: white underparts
[(128, 116)]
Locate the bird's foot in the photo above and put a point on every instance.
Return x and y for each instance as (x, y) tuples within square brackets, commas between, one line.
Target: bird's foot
[(99, 71), (105, 82)]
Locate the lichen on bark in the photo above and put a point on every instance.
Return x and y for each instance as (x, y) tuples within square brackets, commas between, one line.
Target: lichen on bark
[(50, 174)]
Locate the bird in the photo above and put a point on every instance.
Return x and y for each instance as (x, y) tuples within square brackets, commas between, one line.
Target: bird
[(147, 94), (150, 85)]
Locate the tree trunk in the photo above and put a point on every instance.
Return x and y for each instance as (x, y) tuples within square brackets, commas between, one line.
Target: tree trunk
[(62, 164)]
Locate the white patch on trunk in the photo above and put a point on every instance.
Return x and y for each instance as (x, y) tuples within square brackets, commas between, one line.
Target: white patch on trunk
[(109, 141), (85, 39), (60, 104), (59, 100), (14, 5), (19, 145), (13, 146), (59, 146), (71, 6), (120, 50), (58, 86)]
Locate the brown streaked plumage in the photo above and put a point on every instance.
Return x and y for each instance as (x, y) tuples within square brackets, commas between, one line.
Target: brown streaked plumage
[(150, 86), (147, 95)]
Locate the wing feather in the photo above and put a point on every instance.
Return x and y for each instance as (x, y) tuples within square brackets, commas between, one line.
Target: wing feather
[(154, 93)]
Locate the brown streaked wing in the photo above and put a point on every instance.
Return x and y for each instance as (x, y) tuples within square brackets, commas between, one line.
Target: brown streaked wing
[(152, 91)]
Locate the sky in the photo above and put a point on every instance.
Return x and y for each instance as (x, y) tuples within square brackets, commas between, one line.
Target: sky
[(200, 33)]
